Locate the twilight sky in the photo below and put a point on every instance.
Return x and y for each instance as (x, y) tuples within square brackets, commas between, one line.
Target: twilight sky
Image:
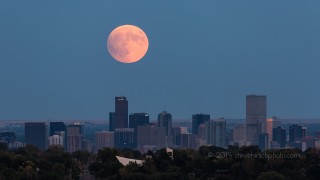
[(204, 57)]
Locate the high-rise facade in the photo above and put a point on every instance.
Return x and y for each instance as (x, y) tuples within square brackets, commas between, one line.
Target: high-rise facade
[(256, 115), (216, 132), (198, 119), (263, 141), (272, 123), (75, 137), (151, 136), (36, 133), (121, 112), (124, 138), (176, 132), (304, 132), (239, 134), (56, 126), (104, 139), (188, 140), (295, 133), (138, 119), (279, 136), (201, 131), (112, 120), (165, 120)]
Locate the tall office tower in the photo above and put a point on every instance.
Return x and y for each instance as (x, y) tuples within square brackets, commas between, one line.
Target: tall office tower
[(112, 120), (198, 119), (272, 123), (176, 132), (256, 115), (138, 119), (152, 137), (7, 137), (263, 141), (165, 120), (304, 132), (56, 140), (36, 133), (239, 134), (295, 133), (121, 112), (124, 138), (104, 139), (75, 137), (216, 132), (279, 135), (56, 126)]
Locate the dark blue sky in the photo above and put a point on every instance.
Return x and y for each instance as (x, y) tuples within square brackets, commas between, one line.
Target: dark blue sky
[(204, 57)]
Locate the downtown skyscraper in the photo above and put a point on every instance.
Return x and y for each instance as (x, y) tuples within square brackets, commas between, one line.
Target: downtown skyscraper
[(216, 132), (198, 119), (124, 138), (75, 137), (104, 139), (112, 120), (279, 136), (165, 120), (295, 133), (151, 137), (272, 123), (36, 133), (56, 127), (121, 112), (256, 115), (138, 119)]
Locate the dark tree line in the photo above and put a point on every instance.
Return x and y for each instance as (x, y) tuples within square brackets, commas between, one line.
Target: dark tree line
[(210, 163), (206, 163), (31, 163)]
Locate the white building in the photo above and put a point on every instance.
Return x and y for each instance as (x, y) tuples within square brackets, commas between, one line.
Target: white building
[(125, 161), (16, 145), (56, 140)]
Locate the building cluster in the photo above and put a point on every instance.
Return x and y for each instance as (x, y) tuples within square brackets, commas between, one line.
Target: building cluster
[(10, 139), (70, 137), (135, 131), (269, 133)]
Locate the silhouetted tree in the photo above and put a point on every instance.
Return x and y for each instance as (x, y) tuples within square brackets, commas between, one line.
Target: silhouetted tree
[(272, 175)]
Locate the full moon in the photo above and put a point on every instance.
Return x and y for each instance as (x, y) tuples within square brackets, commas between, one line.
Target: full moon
[(127, 43)]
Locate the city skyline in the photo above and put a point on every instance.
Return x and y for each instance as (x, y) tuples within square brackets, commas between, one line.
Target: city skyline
[(159, 89), (132, 131), (125, 108), (202, 58)]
